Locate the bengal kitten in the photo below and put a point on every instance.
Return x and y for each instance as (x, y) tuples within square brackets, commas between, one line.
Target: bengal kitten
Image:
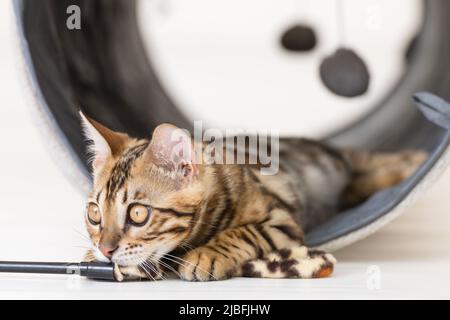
[(153, 214)]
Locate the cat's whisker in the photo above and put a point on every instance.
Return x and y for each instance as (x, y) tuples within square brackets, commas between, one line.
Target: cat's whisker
[(168, 266), (174, 261), (181, 262), (148, 273), (83, 236), (187, 245), (144, 266), (186, 249), (145, 263), (82, 247)]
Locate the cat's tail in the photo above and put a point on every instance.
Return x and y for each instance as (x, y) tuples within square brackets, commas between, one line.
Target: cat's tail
[(375, 171), (296, 262)]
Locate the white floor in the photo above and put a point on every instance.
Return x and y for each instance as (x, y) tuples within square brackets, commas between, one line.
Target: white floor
[(40, 219)]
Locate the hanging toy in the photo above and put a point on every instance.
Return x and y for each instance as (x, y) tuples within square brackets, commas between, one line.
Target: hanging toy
[(300, 37), (344, 72)]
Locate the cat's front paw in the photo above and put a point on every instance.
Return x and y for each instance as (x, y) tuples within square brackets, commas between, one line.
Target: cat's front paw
[(205, 264), (136, 273)]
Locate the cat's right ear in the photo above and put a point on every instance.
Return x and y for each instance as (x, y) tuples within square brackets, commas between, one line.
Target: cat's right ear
[(103, 142)]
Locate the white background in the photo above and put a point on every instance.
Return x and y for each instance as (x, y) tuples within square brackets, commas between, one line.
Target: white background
[(41, 219), (223, 63)]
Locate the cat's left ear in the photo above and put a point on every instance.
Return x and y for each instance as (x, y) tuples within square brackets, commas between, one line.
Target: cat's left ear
[(104, 142), (172, 148)]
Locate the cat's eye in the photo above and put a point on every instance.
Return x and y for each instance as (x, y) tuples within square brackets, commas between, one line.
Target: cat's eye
[(138, 214), (93, 214)]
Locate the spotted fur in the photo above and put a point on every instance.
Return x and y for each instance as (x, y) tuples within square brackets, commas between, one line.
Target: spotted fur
[(294, 263), (213, 221)]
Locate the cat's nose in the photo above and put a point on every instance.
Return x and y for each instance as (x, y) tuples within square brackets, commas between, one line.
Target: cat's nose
[(107, 250)]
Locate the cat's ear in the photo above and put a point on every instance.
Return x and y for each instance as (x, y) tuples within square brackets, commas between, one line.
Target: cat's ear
[(172, 148), (104, 142)]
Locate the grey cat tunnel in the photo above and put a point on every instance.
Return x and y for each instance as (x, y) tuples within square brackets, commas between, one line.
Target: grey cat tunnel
[(104, 69)]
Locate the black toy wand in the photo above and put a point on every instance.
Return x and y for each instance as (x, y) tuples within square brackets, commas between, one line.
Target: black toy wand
[(90, 270)]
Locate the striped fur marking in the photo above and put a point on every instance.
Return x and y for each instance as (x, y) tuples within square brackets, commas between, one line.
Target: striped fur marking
[(121, 170)]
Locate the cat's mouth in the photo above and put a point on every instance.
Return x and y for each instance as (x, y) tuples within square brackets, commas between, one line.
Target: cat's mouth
[(125, 256), (139, 256), (128, 260)]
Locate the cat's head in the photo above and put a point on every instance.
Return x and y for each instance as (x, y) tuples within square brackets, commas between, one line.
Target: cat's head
[(145, 193)]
